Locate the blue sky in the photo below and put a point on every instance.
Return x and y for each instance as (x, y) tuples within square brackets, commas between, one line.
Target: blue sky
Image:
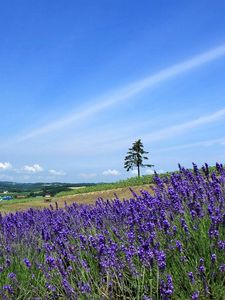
[(82, 80)]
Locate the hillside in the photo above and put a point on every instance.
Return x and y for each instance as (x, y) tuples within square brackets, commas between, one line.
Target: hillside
[(83, 193), (81, 198)]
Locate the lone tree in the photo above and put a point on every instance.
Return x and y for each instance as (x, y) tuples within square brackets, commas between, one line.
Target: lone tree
[(135, 157)]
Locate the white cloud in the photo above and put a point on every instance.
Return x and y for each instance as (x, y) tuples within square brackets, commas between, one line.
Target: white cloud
[(168, 132), (88, 175), (125, 93), (35, 168), (57, 173), (134, 172), (160, 171), (5, 166), (207, 143), (105, 143), (110, 172), (146, 172), (149, 172)]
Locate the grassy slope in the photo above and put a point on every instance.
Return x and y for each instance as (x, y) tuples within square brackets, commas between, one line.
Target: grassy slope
[(130, 182), (84, 198), (86, 195)]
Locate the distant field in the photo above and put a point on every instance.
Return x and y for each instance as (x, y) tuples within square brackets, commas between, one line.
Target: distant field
[(83, 194), (81, 198), (86, 194)]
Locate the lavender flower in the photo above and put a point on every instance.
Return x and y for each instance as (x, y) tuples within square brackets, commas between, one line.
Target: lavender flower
[(201, 269), (213, 258), (195, 295), (221, 245), (67, 287), (161, 259), (90, 248), (166, 288), (27, 262), (191, 277), (179, 246), (50, 261), (8, 288), (222, 268), (12, 275)]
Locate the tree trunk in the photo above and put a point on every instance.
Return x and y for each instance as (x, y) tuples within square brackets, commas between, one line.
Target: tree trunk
[(138, 171)]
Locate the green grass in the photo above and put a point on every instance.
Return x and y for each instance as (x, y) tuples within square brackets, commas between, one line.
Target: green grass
[(130, 182), (23, 200)]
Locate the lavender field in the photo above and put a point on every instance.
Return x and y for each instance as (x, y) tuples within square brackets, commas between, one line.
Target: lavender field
[(169, 244)]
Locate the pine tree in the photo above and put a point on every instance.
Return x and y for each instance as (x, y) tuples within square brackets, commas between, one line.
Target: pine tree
[(135, 157)]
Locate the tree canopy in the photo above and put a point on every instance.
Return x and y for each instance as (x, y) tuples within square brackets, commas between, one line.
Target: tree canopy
[(135, 157)]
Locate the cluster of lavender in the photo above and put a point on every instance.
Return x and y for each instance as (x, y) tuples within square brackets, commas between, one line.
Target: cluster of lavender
[(168, 244)]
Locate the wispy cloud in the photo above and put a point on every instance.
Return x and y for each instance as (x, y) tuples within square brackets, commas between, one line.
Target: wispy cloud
[(57, 173), (129, 91), (35, 168), (110, 172), (205, 143), (5, 166), (110, 143), (147, 172), (183, 127)]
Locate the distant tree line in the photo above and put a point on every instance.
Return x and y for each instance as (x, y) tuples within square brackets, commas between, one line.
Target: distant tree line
[(37, 189)]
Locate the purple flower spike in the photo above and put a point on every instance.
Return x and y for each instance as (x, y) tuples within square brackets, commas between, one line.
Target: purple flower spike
[(222, 268), (170, 283), (166, 288), (221, 245), (183, 259), (179, 246), (84, 251), (27, 262), (191, 277), (68, 288), (161, 259), (195, 296), (8, 262), (213, 258), (174, 229), (201, 269), (166, 224), (12, 275), (50, 261), (8, 288)]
